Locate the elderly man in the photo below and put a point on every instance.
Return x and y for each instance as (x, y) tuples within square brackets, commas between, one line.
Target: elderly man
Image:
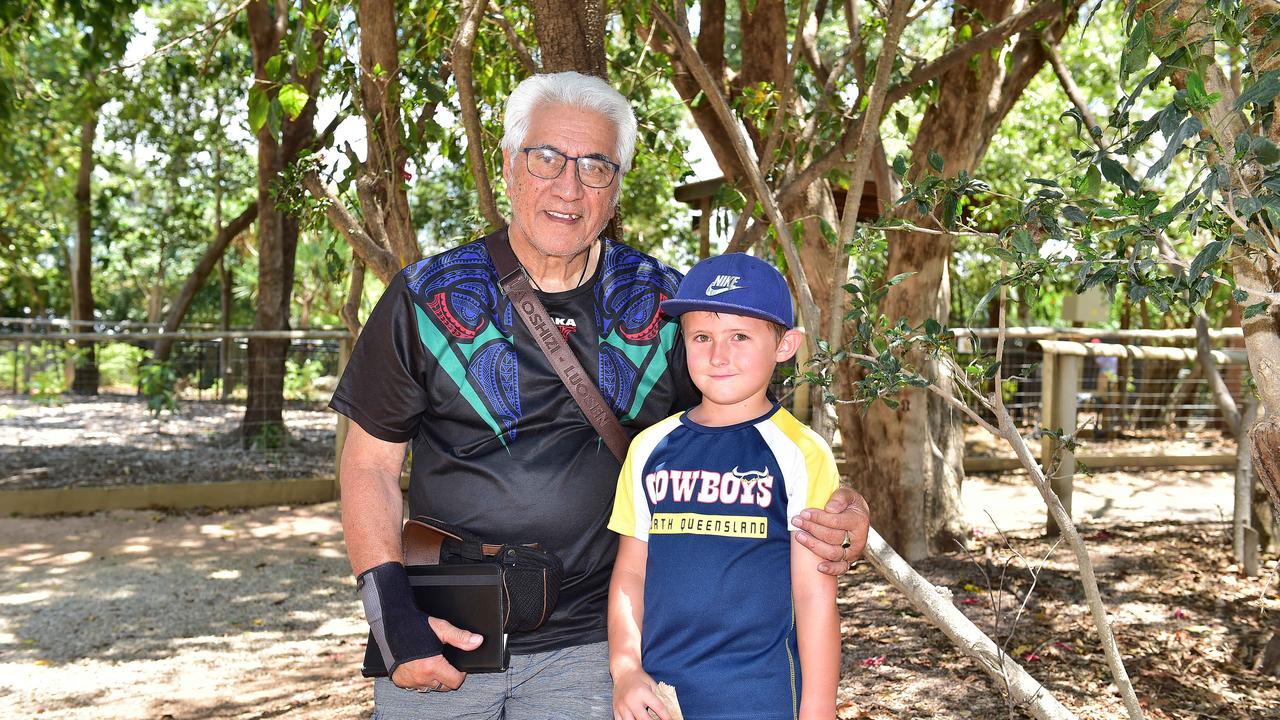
[(499, 445)]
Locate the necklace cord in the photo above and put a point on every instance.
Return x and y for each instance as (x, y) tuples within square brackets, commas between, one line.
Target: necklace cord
[(581, 277)]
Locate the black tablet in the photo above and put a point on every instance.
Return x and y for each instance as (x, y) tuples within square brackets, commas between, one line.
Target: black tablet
[(470, 597)]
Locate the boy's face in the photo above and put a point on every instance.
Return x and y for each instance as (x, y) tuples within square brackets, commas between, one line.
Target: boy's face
[(731, 360)]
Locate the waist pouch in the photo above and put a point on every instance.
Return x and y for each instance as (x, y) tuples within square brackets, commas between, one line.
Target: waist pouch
[(531, 577)]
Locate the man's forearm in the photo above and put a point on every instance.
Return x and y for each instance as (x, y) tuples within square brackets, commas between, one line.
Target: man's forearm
[(372, 509)]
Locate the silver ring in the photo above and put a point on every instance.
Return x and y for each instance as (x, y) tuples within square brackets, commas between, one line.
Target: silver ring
[(846, 542), (844, 554), (439, 686), (422, 690)]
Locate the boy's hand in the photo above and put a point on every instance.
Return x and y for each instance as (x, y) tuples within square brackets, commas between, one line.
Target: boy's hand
[(845, 519), (635, 697)]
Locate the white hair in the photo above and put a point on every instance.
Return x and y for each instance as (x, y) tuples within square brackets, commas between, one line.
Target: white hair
[(575, 90)]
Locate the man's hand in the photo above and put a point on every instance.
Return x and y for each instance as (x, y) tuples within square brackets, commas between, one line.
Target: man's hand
[(838, 532), (435, 674)]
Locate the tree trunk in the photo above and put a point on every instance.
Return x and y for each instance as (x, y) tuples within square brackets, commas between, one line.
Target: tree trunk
[(909, 460), (380, 185), (1262, 342), (263, 423), (571, 35), (85, 381)]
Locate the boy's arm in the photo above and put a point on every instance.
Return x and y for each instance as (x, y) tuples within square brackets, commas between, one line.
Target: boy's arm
[(633, 690), (818, 632)]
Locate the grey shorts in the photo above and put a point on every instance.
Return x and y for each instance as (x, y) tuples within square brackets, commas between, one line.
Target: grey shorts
[(568, 684)]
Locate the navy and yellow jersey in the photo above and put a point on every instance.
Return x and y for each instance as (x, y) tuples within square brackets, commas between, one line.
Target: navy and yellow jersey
[(499, 446), (715, 506)]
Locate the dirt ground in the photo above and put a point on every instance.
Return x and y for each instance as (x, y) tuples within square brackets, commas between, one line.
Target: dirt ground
[(252, 614), (113, 440)]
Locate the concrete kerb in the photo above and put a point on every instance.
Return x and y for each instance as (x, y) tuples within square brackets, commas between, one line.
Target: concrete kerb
[(172, 496)]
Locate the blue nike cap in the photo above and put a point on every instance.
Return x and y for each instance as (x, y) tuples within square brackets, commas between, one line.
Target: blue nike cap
[(736, 284)]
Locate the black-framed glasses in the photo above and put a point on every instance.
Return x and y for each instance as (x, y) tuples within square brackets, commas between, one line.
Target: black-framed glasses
[(547, 163)]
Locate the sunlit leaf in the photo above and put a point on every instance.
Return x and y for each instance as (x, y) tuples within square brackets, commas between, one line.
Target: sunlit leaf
[(293, 98)]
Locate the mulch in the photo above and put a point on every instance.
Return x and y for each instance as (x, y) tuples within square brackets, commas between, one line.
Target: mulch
[(113, 440), (1190, 626)]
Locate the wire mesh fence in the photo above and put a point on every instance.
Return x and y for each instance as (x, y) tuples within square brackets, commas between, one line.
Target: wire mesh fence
[(1116, 396), (39, 358)]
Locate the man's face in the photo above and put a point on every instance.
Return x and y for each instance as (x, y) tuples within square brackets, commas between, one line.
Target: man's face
[(561, 217)]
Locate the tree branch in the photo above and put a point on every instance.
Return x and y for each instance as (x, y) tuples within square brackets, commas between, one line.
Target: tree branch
[(991, 37), (380, 259), (895, 24), (349, 314), (741, 145), (462, 53), (522, 50), (198, 276), (1217, 388), (1069, 87), (178, 41)]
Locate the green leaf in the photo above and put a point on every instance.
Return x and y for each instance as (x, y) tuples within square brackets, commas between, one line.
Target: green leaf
[(950, 208), (275, 117), (828, 233), (1255, 310), (1206, 257), (321, 11), (275, 68), (899, 166), (1261, 92), (1264, 150), (1092, 181), (1117, 175), (1136, 51), (1195, 86), (1239, 296), (1188, 129), (991, 293), (935, 161), (898, 278), (901, 121), (932, 327), (991, 371), (293, 98), (1074, 214), (258, 104)]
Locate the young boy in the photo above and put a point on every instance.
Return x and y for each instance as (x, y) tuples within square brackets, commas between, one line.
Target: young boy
[(710, 593)]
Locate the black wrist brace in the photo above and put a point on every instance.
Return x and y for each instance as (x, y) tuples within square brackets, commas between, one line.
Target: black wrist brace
[(399, 627)]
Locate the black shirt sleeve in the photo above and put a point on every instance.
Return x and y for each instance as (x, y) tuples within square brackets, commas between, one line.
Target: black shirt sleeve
[(686, 393), (382, 389)]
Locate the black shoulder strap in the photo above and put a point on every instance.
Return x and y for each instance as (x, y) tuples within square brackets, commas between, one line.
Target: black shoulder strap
[(515, 284)]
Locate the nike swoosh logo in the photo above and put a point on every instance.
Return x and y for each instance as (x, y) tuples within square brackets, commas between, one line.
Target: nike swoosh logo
[(711, 292)]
